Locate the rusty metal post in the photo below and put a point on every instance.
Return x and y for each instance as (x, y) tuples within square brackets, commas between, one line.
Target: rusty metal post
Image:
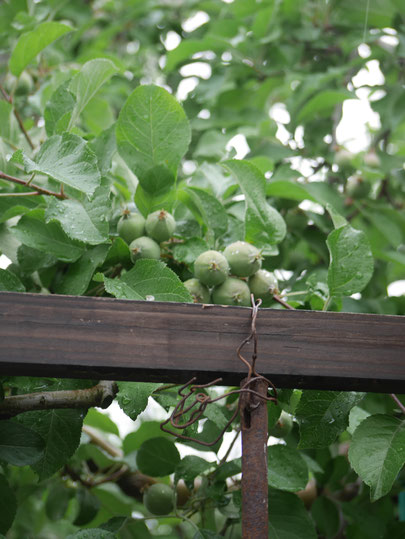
[(253, 414)]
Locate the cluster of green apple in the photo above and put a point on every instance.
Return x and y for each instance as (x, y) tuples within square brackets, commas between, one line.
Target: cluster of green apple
[(229, 278), (144, 235)]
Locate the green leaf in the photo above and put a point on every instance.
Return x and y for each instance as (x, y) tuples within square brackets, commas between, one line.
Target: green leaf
[(11, 207), (89, 506), (326, 516), (211, 210), (32, 43), (61, 430), (148, 203), (149, 279), (188, 47), (79, 274), (19, 445), (75, 221), (49, 238), (68, 159), (157, 457), (10, 282), (189, 468), (147, 429), (189, 250), (377, 452), (85, 84), (288, 518), (58, 110), (8, 504), (8, 124), (322, 104), (287, 470), (152, 131), (100, 421), (351, 262), (133, 397), (57, 501), (104, 146), (323, 415), (263, 223)]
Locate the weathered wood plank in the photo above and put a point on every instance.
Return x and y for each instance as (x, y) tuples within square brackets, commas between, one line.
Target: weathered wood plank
[(64, 336)]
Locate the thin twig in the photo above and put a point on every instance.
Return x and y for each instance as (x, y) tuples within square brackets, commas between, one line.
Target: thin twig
[(41, 190), (98, 440), (9, 99), (28, 194), (282, 302), (398, 402), (225, 457)]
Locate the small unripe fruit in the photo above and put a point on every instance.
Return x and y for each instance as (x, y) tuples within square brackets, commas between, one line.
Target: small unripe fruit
[(262, 284), (131, 226), (244, 259), (158, 499), (232, 292), (283, 426), (144, 247), (357, 187), (211, 268), (198, 291), (160, 225)]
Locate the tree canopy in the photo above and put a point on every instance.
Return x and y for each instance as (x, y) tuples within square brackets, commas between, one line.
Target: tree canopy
[(135, 137)]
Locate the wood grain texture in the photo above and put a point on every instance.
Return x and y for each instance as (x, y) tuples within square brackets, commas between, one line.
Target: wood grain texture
[(104, 338)]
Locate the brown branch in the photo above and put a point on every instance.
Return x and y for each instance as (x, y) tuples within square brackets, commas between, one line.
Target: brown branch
[(100, 395), (282, 302), (41, 190), (9, 99), (98, 440)]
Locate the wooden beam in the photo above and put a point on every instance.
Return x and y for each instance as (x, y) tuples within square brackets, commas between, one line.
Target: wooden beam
[(104, 338)]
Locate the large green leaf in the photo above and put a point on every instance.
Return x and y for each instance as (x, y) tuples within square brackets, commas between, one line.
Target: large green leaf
[(79, 274), (189, 468), (133, 397), (58, 110), (263, 223), (10, 282), (287, 470), (12, 206), (152, 131), (32, 43), (49, 238), (75, 221), (323, 415), (151, 280), (61, 430), (8, 504), (8, 123), (19, 444), (288, 518), (322, 104), (85, 84), (157, 457), (377, 452), (351, 262), (68, 159), (212, 211)]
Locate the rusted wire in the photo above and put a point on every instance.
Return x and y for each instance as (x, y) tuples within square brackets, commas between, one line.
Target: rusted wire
[(201, 400)]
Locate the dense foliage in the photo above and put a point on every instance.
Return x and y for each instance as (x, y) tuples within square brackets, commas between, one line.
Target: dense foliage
[(91, 130)]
